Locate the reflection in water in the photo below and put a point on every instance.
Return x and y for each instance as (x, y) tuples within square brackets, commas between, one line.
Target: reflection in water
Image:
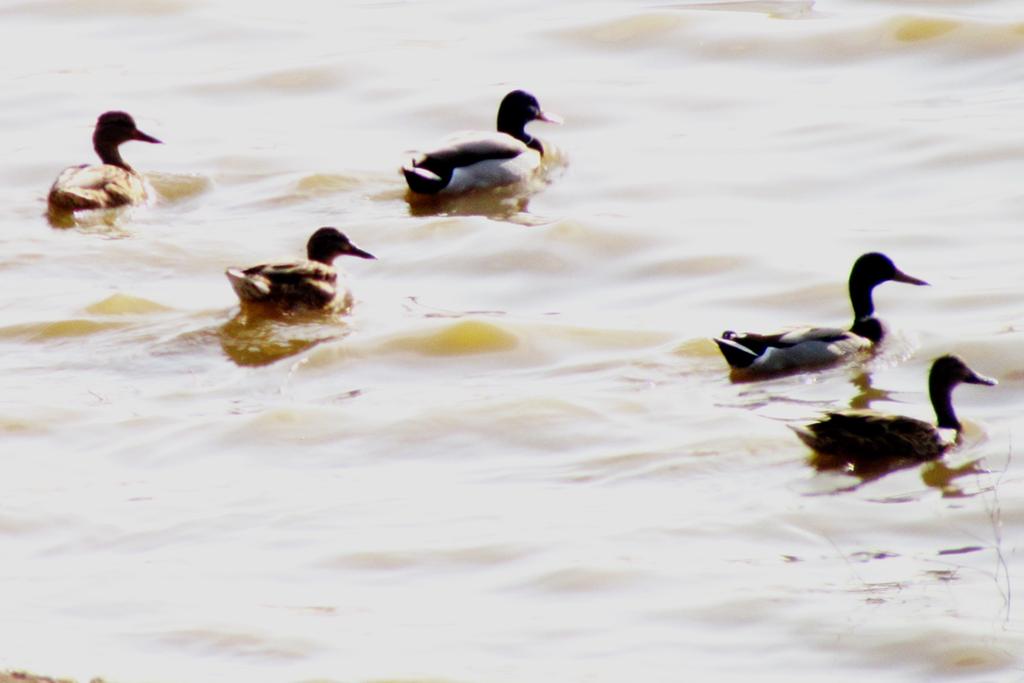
[(500, 204), (60, 219), (865, 469), (867, 393), (105, 222), (941, 476), (936, 474), (256, 337)]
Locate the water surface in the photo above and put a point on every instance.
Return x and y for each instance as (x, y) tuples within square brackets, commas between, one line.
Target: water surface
[(521, 458)]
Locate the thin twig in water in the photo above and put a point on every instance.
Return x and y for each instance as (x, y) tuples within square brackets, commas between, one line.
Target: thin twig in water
[(995, 517)]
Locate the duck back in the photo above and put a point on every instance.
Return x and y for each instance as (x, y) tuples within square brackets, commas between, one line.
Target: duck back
[(802, 347), (96, 187), (301, 284), (470, 161), (868, 435)]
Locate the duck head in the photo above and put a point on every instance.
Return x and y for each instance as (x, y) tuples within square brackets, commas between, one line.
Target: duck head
[(869, 271), (947, 372), (112, 129), (326, 244), (951, 370), (516, 110)]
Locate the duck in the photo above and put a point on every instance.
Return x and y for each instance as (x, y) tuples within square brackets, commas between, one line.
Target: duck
[(806, 347), (859, 436), (479, 160), (310, 284), (111, 184)]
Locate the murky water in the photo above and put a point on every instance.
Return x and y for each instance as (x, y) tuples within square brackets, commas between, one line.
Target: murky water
[(521, 458)]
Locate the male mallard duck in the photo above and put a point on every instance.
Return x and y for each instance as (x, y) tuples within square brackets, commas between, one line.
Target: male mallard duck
[(811, 346), (309, 284), (478, 160), (114, 183), (865, 435)]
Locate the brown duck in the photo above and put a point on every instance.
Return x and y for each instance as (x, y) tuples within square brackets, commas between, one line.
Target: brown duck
[(310, 284), (111, 184), (863, 435)]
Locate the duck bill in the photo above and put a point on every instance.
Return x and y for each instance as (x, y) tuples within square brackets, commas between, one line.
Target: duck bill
[(353, 250), (975, 378), (550, 117), (900, 276), (139, 135)]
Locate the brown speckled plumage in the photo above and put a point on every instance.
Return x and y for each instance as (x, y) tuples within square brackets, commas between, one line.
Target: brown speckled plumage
[(310, 284), (109, 185)]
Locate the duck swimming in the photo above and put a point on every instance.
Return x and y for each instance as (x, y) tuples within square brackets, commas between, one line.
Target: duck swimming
[(815, 346), (864, 435), (310, 284), (113, 183), (481, 159)]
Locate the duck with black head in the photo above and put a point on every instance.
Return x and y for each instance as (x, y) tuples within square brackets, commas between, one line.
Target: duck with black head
[(807, 347), (860, 438), (111, 184), (479, 160), (310, 284)]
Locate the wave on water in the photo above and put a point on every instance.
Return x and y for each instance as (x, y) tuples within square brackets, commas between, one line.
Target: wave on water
[(175, 187), (297, 81), (776, 9), (466, 337), (59, 330), (703, 29), (77, 8)]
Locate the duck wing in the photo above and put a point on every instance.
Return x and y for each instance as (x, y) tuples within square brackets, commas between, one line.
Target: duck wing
[(297, 284), (96, 187), (479, 159), (794, 348), (856, 435), (465, 149)]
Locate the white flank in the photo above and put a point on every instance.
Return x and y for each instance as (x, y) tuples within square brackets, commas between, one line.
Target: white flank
[(494, 173), (808, 352)]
